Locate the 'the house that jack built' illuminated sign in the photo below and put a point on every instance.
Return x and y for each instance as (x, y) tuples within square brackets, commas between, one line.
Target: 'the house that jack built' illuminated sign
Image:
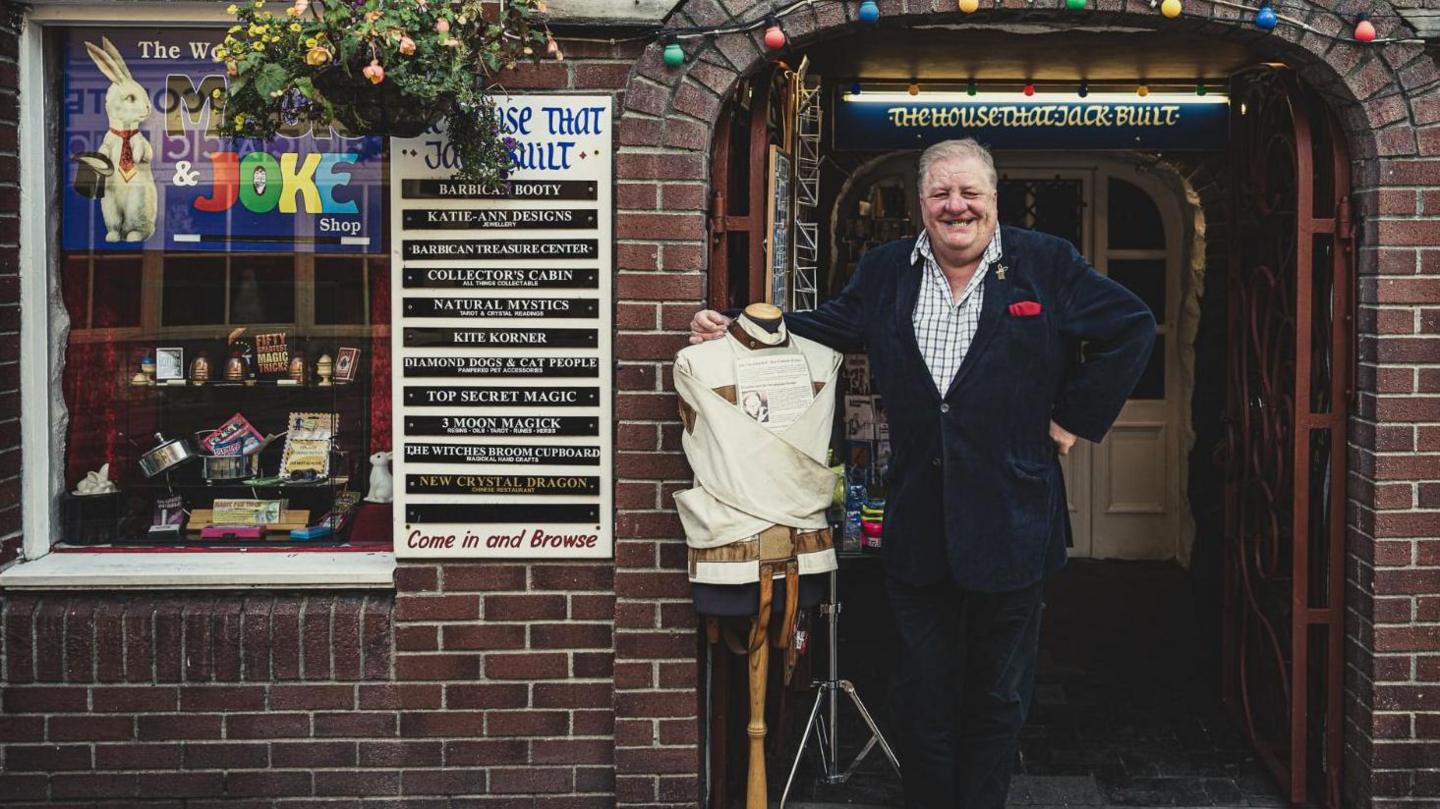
[(886, 121)]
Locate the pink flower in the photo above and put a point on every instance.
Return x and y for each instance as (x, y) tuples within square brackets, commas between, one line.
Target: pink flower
[(407, 45), (443, 26), (374, 72)]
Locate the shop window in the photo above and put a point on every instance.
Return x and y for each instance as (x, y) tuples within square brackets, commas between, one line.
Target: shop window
[(218, 351)]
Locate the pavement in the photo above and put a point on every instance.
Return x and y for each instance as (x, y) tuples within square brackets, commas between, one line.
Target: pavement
[(1126, 710)]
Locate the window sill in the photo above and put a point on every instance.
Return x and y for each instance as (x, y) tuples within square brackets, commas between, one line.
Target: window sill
[(235, 570)]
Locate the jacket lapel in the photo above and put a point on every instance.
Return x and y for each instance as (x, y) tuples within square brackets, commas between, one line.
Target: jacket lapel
[(906, 294), (997, 288)]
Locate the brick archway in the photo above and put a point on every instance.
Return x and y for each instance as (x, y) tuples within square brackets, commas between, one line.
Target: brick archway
[(1388, 98)]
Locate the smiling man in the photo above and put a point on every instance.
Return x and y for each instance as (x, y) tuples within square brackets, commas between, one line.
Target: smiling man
[(994, 348)]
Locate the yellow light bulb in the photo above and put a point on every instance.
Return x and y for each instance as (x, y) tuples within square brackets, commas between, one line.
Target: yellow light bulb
[(1143, 90), (1170, 8), (913, 90), (969, 6)]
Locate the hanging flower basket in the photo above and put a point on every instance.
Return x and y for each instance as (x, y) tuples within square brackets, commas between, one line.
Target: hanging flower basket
[(379, 109), (380, 68)]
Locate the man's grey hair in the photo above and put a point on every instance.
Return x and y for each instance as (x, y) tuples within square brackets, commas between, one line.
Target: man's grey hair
[(959, 148)]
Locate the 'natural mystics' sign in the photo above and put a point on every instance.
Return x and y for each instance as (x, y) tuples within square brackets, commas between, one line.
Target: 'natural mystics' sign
[(501, 323)]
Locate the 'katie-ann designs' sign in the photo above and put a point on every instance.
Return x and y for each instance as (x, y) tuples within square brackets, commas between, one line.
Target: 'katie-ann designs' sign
[(502, 329), (884, 121), (144, 167)]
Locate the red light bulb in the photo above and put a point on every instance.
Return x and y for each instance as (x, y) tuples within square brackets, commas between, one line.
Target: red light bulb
[(1364, 30), (1029, 89), (774, 37)]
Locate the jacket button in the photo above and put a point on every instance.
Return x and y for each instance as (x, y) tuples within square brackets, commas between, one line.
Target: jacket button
[(935, 462), (944, 408)]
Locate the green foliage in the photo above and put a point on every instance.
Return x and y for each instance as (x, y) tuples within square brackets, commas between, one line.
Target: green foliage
[(380, 66)]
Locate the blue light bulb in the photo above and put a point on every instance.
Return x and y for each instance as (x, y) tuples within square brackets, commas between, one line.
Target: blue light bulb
[(1265, 18), (869, 12)]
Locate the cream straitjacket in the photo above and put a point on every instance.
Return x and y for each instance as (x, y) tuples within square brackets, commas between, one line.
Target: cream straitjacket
[(756, 490)]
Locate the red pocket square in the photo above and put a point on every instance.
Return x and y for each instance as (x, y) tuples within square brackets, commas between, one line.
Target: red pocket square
[(1024, 309)]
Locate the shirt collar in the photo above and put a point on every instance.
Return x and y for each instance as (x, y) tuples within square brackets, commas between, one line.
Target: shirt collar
[(922, 250)]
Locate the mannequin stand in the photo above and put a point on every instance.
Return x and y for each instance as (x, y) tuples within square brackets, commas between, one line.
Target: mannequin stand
[(827, 732)]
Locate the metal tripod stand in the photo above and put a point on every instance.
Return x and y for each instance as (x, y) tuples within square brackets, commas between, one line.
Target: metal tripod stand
[(826, 732)]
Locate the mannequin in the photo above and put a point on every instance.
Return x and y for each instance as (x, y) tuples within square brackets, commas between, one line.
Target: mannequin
[(757, 407), (766, 316)]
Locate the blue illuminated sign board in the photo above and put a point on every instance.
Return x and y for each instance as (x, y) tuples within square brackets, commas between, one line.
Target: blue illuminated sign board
[(889, 121)]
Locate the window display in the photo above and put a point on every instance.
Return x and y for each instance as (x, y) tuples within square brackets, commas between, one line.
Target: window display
[(226, 364)]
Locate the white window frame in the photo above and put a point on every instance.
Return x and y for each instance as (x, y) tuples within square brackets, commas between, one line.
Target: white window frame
[(43, 469)]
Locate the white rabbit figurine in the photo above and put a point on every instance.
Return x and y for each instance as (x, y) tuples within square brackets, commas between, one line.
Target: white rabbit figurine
[(128, 203), (382, 486)]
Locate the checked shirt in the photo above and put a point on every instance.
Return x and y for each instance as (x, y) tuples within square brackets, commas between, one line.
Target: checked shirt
[(944, 327)]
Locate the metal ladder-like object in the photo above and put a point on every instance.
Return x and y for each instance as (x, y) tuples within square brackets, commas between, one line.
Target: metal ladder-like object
[(803, 293)]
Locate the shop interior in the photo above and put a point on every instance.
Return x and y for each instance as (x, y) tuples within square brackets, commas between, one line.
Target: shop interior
[(1136, 696)]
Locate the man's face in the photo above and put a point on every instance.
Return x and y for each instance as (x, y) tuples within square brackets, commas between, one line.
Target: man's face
[(957, 203)]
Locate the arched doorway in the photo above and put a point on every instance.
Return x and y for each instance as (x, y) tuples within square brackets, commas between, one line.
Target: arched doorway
[(1126, 493), (812, 28)]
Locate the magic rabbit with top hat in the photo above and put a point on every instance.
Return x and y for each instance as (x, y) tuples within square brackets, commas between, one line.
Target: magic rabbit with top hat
[(118, 174)]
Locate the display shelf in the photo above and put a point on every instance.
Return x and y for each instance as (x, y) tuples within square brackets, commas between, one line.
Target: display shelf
[(192, 411)]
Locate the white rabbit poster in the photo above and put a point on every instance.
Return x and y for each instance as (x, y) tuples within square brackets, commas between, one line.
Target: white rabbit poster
[(144, 168)]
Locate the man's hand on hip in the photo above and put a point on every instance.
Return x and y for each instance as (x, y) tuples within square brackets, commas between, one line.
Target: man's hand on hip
[(707, 324), (1063, 438)]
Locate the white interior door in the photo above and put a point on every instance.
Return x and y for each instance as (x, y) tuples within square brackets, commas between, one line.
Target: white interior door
[(1135, 480), (1124, 493)]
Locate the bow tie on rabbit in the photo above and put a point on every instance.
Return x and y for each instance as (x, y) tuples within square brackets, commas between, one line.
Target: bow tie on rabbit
[(118, 173)]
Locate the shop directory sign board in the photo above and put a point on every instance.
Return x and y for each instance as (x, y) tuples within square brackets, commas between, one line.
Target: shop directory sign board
[(501, 331)]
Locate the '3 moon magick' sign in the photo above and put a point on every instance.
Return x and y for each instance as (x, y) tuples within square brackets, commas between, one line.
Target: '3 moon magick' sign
[(501, 331)]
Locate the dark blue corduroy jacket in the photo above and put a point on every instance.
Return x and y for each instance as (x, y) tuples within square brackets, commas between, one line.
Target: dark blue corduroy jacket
[(975, 484)]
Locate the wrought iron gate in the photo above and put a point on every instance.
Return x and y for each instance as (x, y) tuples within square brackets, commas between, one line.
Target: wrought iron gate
[(1290, 320)]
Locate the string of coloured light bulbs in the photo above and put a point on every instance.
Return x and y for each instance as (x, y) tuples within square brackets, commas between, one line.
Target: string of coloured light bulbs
[(1264, 16)]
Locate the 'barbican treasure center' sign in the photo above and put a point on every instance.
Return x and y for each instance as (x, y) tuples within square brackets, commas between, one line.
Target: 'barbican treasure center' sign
[(501, 338), (884, 121)]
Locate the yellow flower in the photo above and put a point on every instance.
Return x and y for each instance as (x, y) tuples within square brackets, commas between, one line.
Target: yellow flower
[(310, 43), (295, 26), (259, 3), (293, 11), (220, 53), (231, 9), (240, 119), (259, 45), (216, 93), (316, 57)]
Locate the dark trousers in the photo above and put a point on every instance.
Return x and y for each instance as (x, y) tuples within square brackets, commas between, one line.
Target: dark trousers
[(967, 670)]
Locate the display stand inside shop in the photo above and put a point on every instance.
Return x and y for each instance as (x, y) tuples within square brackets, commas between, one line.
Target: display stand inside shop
[(245, 440)]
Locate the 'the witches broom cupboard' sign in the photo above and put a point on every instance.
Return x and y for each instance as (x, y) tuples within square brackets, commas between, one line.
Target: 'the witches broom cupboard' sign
[(502, 342)]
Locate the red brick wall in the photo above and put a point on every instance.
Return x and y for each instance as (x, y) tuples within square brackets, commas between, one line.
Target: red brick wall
[(163, 698)]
